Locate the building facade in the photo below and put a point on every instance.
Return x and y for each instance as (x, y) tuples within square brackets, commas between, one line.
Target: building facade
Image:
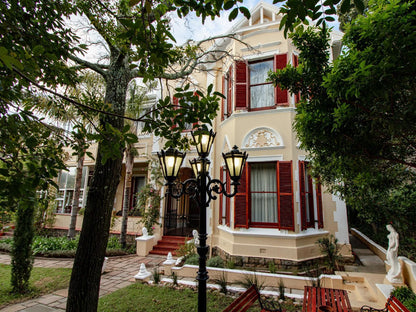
[(279, 211)]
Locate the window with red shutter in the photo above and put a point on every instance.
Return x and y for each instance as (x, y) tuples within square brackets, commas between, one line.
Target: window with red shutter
[(281, 96), (252, 90), (268, 196), (310, 206)]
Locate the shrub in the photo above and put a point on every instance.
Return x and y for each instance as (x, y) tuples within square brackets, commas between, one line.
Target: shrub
[(156, 276), (406, 296), (329, 248), (281, 289), (230, 264), (272, 267), (193, 260), (215, 262), (186, 250), (222, 281), (251, 279)]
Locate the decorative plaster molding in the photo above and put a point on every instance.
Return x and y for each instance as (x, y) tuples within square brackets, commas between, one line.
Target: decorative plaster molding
[(262, 138)]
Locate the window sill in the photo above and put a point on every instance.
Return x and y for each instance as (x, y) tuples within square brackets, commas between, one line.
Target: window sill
[(275, 233)]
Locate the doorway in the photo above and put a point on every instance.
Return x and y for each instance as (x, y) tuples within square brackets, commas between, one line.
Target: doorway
[(181, 215)]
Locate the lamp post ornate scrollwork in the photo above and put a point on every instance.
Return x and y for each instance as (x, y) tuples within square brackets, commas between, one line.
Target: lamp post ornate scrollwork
[(203, 189)]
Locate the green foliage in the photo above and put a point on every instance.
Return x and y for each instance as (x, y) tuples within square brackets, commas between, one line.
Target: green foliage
[(250, 280), (148, 203), (406, 296), (192, 259), (148, 298), (44, 210), (156, 276), (42, 281), (215, 262), (230, 264), (329, 248), (222, 281), (186, 250), (272, 267), (281, 289), (193, 108), (297, 12), (42, 244), (57, 246), (174, 277), (357, 116)]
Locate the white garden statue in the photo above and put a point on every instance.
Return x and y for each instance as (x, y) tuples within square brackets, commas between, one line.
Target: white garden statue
[(394, 274), (144, 232), (195, 234)]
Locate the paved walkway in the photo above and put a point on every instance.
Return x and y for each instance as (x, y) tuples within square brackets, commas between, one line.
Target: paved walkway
[(119, 273)]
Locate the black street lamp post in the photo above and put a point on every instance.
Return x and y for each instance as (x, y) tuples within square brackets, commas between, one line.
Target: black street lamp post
[(203, 189)]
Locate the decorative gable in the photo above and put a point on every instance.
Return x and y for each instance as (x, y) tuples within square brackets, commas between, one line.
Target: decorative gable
[(262, 138)]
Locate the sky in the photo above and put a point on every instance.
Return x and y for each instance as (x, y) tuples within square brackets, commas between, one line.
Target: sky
[(192, 28)]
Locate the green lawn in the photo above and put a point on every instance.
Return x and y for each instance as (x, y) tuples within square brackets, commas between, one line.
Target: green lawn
[(149, 298), (42, 281)]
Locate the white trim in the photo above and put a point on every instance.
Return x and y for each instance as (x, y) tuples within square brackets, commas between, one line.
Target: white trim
[(260, 56), (264, 158), (272, 233)]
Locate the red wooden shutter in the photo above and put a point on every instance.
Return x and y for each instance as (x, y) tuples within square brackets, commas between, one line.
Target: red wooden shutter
[(281, 96), (319, 205), (306, 194), (302, 194), (225, 178), (241, 85), (296, 64), (285, 195), (240, 202), (230, 92)]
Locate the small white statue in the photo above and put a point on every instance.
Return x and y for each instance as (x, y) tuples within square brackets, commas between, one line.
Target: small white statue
[(394, 274), (144, 232), (196, 237), (143, 273)]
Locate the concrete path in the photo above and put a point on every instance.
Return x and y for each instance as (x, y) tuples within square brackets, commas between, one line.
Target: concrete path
[(119, 273)]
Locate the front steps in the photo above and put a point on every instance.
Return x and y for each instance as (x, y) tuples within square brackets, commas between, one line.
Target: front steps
[(168, 244), (362, 289)]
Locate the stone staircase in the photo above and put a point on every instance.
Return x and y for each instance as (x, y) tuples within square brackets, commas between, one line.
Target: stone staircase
[(362, 289), (168, 244)]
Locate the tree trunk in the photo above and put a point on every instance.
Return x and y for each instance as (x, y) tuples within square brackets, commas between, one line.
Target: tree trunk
[(77, 191), (86, 273), (22, 258), (127, 192)]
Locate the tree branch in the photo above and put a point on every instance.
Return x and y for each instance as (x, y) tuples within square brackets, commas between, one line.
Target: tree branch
[(98, 68)]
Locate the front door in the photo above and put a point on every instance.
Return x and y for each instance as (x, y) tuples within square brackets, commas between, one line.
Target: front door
[(181, 215)]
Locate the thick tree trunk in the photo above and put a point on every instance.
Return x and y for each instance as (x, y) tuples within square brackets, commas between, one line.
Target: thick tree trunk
[(75, 201), (22, 258), (86, 273), (127, 192)]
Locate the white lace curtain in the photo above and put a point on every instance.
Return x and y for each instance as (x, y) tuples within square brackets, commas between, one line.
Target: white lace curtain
[(263, 193)]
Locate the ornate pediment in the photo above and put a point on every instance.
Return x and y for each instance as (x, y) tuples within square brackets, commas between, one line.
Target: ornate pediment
[(262, 138)]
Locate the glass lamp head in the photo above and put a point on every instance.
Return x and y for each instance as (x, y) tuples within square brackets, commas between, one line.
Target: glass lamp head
[(171, 161)]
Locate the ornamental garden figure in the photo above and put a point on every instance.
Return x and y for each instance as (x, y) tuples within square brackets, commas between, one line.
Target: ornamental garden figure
[(394, 273)]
